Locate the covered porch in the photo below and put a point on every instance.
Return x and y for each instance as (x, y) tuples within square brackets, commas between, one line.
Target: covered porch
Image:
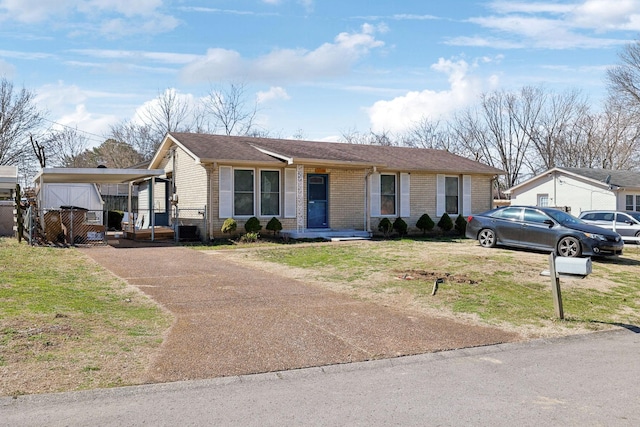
[(82, 228)]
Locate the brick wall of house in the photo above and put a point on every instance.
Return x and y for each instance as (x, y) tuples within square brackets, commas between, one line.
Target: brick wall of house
[(481, 194), (346, 198)]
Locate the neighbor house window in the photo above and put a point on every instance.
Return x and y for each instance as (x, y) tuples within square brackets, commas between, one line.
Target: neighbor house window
[(243, 192), (451, 194), (387, 194), (543, 200), (269, 193)]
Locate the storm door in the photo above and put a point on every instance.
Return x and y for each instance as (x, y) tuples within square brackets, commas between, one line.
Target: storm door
[(317, 201)]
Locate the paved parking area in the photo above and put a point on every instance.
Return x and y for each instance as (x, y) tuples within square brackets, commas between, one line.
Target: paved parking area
[(234, 320)]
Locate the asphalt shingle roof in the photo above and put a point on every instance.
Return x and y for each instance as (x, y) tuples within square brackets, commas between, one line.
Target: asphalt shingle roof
[(619, 178), (239, 148)]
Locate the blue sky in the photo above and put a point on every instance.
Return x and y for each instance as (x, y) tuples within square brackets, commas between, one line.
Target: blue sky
[(322, 67)]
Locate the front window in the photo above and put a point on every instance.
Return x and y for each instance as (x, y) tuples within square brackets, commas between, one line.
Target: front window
[(269, 193), (387, 194), (243, 192), (451, 189)]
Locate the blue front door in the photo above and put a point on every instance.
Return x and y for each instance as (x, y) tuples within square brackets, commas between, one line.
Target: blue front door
[(317, 200)]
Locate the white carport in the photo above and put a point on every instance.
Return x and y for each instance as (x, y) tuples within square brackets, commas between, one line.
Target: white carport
[(97, 176)]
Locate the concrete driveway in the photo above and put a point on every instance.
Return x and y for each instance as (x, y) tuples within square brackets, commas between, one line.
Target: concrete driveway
[(234, 320)]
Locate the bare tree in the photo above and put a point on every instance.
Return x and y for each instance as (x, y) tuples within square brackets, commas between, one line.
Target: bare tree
[(427, 133), (19, 118), (494, 132), (555, 125), (231, 110), (353, 136), (624, 78), (169, 113), (141, 137), (65, 147)]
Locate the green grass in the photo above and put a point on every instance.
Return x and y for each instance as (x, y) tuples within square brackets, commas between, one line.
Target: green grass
[(512, 293), (57, 307)]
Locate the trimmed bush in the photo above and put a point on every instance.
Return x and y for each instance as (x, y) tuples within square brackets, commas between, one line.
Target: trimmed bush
[(400, 226), (385, 226), (461, 225), (274, 225), (229, 226), (252, 225), (445, 223), (425, 223), (250, 237)]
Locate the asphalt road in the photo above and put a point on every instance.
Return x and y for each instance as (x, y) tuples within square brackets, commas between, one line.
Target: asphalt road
[(585, 380)]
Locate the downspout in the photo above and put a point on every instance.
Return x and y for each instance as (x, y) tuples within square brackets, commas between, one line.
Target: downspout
[(555, 189), (152, 209)]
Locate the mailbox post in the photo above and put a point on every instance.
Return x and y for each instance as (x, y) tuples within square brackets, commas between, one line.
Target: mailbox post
[(555, 286)]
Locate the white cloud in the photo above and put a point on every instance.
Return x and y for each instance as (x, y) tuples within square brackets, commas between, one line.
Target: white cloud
[(68, 105), (400, 113), (272, 94), (602, 15), (328, 60), (7, 70), (112, 18), (133, 55), (553, 25), (142, 112)]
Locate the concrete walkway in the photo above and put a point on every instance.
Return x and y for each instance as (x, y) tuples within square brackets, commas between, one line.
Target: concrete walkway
[(234, 320)]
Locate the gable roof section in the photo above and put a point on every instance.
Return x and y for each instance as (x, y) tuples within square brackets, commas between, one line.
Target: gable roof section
[(617, 178), (605, 178), (237, 149)]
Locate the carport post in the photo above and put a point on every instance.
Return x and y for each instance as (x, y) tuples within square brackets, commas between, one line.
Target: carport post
[(555, 286)]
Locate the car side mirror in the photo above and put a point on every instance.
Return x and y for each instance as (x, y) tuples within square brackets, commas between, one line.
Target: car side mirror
[(549, 223)]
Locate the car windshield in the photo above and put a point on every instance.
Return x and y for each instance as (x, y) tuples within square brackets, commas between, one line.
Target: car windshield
[(563, 217)]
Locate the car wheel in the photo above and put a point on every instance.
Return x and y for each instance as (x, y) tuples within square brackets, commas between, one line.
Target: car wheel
[(487, 238), (569, 247), (638, 236)]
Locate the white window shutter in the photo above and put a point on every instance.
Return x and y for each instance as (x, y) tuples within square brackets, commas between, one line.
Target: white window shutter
[(466, 195), (375, 194), (440, 195), (405, 195), (225, 192), (290, 193)]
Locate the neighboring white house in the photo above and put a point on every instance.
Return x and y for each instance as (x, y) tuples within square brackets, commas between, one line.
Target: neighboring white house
[(580, 189), (8, 181)]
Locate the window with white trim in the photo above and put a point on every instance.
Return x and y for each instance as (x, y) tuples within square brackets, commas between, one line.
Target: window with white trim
[(543, 200), (243, 193), (451, 194), (387, 194), (629, 202), (270, 193)]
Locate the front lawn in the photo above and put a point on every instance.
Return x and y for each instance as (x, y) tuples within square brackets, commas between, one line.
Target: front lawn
[(494, 286), (67, 324)]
